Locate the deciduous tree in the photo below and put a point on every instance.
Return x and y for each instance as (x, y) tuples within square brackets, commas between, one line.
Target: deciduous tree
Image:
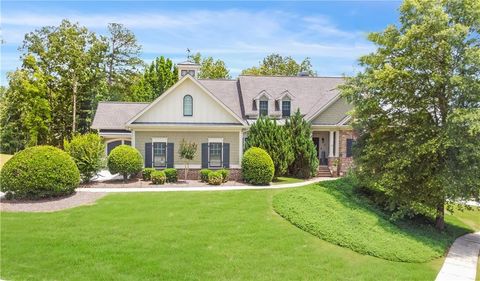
[(276, 64), (417, 108)]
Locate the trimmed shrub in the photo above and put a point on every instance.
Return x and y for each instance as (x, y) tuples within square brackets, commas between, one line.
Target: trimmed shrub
[(204, 174), (39, 172), (172, 174), (147, 173), (158, 177), (88, 152), (215, 178), (125, 160), (225, 174), (257, 166)]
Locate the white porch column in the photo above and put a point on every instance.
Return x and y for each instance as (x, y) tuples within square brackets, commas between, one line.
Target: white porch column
[(330, 142), (337, 143), (240, 146), (133, 138)]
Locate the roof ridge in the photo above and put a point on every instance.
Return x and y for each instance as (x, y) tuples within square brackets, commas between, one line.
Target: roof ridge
[(125, 102), (286, 76), (217, 79)]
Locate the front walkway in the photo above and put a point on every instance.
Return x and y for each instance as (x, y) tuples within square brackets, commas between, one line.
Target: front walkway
[(167, 188), (462, 259)]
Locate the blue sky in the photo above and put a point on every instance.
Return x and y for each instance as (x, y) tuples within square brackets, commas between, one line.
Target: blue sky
[(331, 33)]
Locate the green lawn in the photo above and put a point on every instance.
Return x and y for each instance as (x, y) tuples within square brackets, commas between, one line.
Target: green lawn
[(283, 180), (230, 235), (333, 212)]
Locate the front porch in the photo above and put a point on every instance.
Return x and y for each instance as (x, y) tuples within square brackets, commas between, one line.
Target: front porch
[(333, 150)]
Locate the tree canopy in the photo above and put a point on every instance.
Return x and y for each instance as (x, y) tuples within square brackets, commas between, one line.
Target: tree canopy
[(276, 64), (210, 68), (417, 108)]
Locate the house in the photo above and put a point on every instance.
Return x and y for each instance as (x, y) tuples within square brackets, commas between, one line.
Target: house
[(217, 114)]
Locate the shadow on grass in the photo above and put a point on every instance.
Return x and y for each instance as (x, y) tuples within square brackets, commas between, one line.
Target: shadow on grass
[(332, 211)]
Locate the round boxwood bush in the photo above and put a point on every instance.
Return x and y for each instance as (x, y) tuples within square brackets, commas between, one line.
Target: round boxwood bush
[(158, 177), (215, 178), (125, 160), (39, 172), (171, 174), (257, 166), (147, 173), (204, 174)]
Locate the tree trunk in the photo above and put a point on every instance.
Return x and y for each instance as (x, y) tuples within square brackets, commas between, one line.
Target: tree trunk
[(74, 126), (186, 171), (440, 218), (125, 177)]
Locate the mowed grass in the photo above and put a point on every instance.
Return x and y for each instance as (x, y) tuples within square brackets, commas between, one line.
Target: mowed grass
[(4, 158), (230, 235), (284, 180), (333, 212)]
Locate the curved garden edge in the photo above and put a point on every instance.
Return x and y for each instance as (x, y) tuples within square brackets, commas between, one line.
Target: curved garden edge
[(88, 196), (51, 205), (167, 188)]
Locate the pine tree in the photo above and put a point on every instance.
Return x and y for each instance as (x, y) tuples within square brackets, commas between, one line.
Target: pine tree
[(305, 164), (266, 134)]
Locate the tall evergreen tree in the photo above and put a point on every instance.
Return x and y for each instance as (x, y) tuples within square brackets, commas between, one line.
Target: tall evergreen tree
[(417, 108), (305, 164), (122, 60), (266, 134)]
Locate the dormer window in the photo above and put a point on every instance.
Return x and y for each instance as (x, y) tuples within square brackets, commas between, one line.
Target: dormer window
[(286, 108), (187, 105), (263, 107), (185, 72)]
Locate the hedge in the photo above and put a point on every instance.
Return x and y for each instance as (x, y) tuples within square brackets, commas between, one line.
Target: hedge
[(158, 177)]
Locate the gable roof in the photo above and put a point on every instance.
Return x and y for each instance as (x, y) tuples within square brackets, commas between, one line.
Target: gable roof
[(226, 91), (171, 89), (311, 93), (112, 115)]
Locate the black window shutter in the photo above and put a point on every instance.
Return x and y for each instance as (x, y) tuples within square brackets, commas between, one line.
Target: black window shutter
[(170, 154), (204, 155), (349, 147), (148, 155), (128, 142), (226, 155)]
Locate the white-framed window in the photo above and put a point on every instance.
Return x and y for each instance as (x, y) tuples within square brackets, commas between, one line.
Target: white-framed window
[(263, 107), (159, 152), (215, 152), (286, 107), (187, 105)]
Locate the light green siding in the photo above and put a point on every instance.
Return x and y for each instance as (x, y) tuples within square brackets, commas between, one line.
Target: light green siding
[(142, 137), (333, 114)]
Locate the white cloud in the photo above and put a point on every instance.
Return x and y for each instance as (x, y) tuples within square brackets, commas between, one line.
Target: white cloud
[(240, 37)]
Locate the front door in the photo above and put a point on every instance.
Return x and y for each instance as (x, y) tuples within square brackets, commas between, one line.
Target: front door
[(316, 141)]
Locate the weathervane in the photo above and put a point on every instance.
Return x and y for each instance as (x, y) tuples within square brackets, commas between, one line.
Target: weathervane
[(188, 53)]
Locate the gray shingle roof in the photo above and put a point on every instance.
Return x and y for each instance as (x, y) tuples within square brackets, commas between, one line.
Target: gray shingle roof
[(309, 93), (226, 91), (114, 115)]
